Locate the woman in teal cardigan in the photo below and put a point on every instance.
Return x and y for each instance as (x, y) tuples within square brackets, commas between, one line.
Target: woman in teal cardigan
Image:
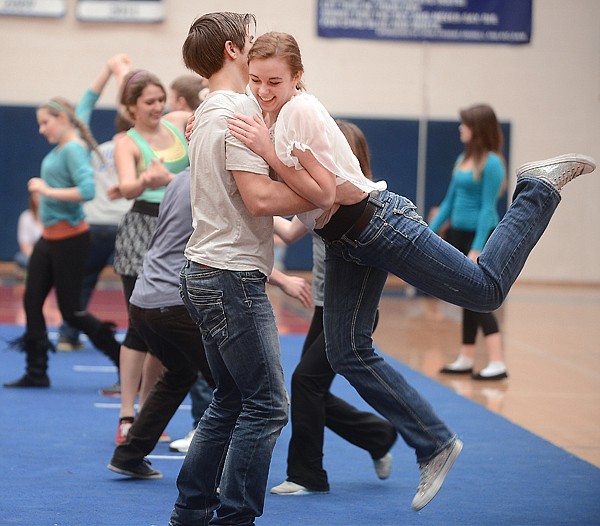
[(470, 205)]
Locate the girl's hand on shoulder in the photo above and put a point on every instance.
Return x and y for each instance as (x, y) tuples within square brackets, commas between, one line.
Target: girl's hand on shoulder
[(189, 127), (253, 132)]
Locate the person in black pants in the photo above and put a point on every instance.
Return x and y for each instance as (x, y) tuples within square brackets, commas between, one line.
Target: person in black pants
[(313, 406), (478, 180), (175, 340), (103, 215), (59, 256), (159, 317)]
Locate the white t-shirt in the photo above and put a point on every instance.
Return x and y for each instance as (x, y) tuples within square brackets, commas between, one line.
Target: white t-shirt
[(101, 210), (304, 123), (226, 235), (29, 229)]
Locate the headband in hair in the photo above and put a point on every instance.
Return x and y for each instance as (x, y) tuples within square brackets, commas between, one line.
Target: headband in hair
[(137, 74), (56, 106)]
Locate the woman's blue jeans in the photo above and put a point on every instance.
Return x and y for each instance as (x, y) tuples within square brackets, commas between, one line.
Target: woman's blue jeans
[(398, 241), (234, 442)]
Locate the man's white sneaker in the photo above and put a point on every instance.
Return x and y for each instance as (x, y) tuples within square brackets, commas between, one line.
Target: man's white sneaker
[(183, 444), (433, 474), (383, 466), (291, 488)]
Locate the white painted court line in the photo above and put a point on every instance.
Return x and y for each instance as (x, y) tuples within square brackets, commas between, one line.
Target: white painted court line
[(108, 405), (166, 457), (94, 368)]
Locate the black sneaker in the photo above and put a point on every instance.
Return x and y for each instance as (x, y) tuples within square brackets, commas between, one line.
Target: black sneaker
[(30, 381), (141, 470)]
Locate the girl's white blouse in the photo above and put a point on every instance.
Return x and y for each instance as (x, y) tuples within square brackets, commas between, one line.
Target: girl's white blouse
[(304, 123)]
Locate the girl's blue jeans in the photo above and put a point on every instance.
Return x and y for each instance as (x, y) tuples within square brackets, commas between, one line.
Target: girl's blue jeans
[(398, 241)]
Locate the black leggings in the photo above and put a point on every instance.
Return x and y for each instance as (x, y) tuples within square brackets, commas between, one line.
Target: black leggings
[(133, 339), (462, 239), (59, 264)]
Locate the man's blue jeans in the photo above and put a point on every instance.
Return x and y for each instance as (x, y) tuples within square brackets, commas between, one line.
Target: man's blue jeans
[(201, 395), (234, 442), (398, 241)]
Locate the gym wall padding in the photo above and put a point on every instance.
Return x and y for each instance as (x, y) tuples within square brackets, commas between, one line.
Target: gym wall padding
[(393, 144), (22, 149)]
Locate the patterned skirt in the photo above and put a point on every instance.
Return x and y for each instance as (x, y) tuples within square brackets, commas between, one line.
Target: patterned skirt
[(133, 240)]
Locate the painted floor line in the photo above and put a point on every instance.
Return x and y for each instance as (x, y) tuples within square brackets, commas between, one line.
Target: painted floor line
[(94, 368), (106, 405)]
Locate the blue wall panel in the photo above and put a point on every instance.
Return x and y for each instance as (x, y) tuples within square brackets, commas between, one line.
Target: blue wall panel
[(22, 149), (393, 145)]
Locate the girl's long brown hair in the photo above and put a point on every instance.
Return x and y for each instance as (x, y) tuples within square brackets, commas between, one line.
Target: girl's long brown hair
[(358, 143), (486, 130), (486, 137)]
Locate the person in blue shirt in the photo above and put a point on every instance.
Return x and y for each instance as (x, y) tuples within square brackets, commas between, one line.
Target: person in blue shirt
[(470, 205)]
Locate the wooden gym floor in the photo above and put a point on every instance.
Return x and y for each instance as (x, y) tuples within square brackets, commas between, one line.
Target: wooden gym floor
[(551, 338)]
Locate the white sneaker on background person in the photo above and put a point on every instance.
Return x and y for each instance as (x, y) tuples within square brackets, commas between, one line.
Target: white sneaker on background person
[(183, 444)]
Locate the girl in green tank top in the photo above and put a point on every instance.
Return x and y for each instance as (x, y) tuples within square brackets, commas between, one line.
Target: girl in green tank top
[(154, 150), (147, 158)]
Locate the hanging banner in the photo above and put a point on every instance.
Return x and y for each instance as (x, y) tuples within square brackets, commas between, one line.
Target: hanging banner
[(49, 8), (132, 11), (481, 21)]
